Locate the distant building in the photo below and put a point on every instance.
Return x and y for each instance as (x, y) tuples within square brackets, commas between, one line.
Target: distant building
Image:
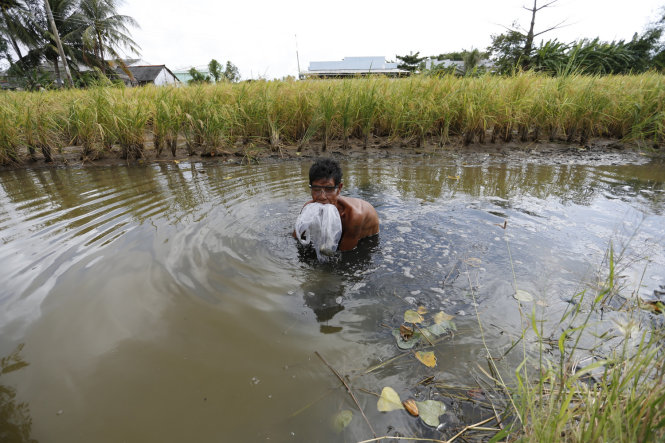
[(158, 75), (132, 72), (184, 76), (352, 67)]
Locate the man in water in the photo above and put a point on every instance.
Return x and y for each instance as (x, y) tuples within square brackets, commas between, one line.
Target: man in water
[(359, 218)]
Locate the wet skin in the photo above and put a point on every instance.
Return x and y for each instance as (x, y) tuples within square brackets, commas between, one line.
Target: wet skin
[(359, 218)]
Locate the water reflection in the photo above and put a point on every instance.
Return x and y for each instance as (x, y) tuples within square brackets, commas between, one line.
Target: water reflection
[(324, 289), (15, 420)]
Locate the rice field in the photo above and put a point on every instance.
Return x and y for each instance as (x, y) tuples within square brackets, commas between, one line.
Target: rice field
[(210, 119)]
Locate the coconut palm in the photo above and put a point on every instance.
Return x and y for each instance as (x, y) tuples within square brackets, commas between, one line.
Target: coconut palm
[(69, 26), (106, 30), (13, 18)]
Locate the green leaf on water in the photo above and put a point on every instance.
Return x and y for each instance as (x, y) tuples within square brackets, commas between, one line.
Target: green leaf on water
[(523, 296), (430, 410), (406, 344), (412, 316), (438, 329), (342, 420), (389, 400)]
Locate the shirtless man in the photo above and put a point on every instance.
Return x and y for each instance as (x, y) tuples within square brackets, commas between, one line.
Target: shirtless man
[(359, 218)]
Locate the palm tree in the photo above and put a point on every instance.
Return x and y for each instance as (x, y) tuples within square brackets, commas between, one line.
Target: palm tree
[(106, 30), (13, 18)]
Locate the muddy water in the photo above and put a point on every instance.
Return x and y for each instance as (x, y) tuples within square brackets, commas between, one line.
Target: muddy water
[(169, 302)]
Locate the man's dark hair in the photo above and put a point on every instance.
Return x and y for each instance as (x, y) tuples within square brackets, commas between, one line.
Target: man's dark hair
[(325, 168)]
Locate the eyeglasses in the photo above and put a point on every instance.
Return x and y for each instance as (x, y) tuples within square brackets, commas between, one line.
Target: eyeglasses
[(327, 189)]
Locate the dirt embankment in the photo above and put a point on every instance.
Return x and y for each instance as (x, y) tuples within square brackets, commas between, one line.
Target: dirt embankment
[(599, 151)]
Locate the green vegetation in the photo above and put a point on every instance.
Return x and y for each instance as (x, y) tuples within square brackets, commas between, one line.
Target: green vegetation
[(587, 381), (516, 50), (90, 32), (528, 107)]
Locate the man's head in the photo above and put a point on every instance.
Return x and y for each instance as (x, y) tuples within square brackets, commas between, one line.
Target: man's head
[(325, 168), (325, 181)]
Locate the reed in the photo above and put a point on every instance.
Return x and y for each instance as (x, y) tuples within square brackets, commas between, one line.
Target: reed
[(524, 107)]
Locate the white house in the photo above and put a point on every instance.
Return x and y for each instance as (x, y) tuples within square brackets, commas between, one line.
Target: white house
[(353, 66), (158, 75)]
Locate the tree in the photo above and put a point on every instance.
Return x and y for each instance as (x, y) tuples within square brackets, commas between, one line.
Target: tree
[(215, 70), (507, 51), (528, 40), (198, 77), (105, 31), (410, 62), (515, 47), (56, 37), (471, 60), (231, 72), (13, 19)]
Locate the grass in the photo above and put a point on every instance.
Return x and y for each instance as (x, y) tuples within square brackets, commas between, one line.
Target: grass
[(588, 382), (524, 107)]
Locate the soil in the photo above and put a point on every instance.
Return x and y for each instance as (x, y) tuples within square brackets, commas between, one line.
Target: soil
[(598, 151)]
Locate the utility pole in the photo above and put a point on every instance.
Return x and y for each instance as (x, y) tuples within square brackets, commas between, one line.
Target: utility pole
[(54, 30), (298, 58)]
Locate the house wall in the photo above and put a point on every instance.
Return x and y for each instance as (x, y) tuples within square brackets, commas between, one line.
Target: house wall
[(164, 78)]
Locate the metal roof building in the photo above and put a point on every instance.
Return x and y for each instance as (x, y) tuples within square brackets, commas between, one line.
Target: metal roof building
[(353, 66)]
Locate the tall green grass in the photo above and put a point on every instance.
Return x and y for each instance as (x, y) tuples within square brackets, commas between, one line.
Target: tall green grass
[(524, 107)]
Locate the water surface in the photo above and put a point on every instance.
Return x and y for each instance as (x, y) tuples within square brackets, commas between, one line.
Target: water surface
[(170, 303)]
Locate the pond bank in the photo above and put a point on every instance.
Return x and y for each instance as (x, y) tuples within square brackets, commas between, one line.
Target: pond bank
[(597, 151)]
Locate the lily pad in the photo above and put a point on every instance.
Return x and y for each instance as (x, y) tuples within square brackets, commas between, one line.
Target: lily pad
[(412, 316), (406, 344), (523, 296), (342, 420), (430, 410), (389, 400)]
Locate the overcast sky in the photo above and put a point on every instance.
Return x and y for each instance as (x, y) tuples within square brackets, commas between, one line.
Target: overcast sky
[(260, 37)]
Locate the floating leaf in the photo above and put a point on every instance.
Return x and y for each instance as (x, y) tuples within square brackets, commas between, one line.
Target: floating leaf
[(411, 407), (430, 410), (176, 161), (228, 177), (422, 310), (412, 316), (342, 420), (523, 296), (441, 316), (389, 400), (453, 177), (406, 332), (426, 358), (405, 344), (438, 329)]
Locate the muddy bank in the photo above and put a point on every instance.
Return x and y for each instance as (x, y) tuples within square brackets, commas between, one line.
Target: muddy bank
[(595, 152)]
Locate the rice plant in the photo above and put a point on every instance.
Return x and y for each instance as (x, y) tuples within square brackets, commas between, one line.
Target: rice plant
[(526, 107), (10, 138)]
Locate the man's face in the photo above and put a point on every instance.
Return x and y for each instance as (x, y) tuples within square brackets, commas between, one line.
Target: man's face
[(325, 191)]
